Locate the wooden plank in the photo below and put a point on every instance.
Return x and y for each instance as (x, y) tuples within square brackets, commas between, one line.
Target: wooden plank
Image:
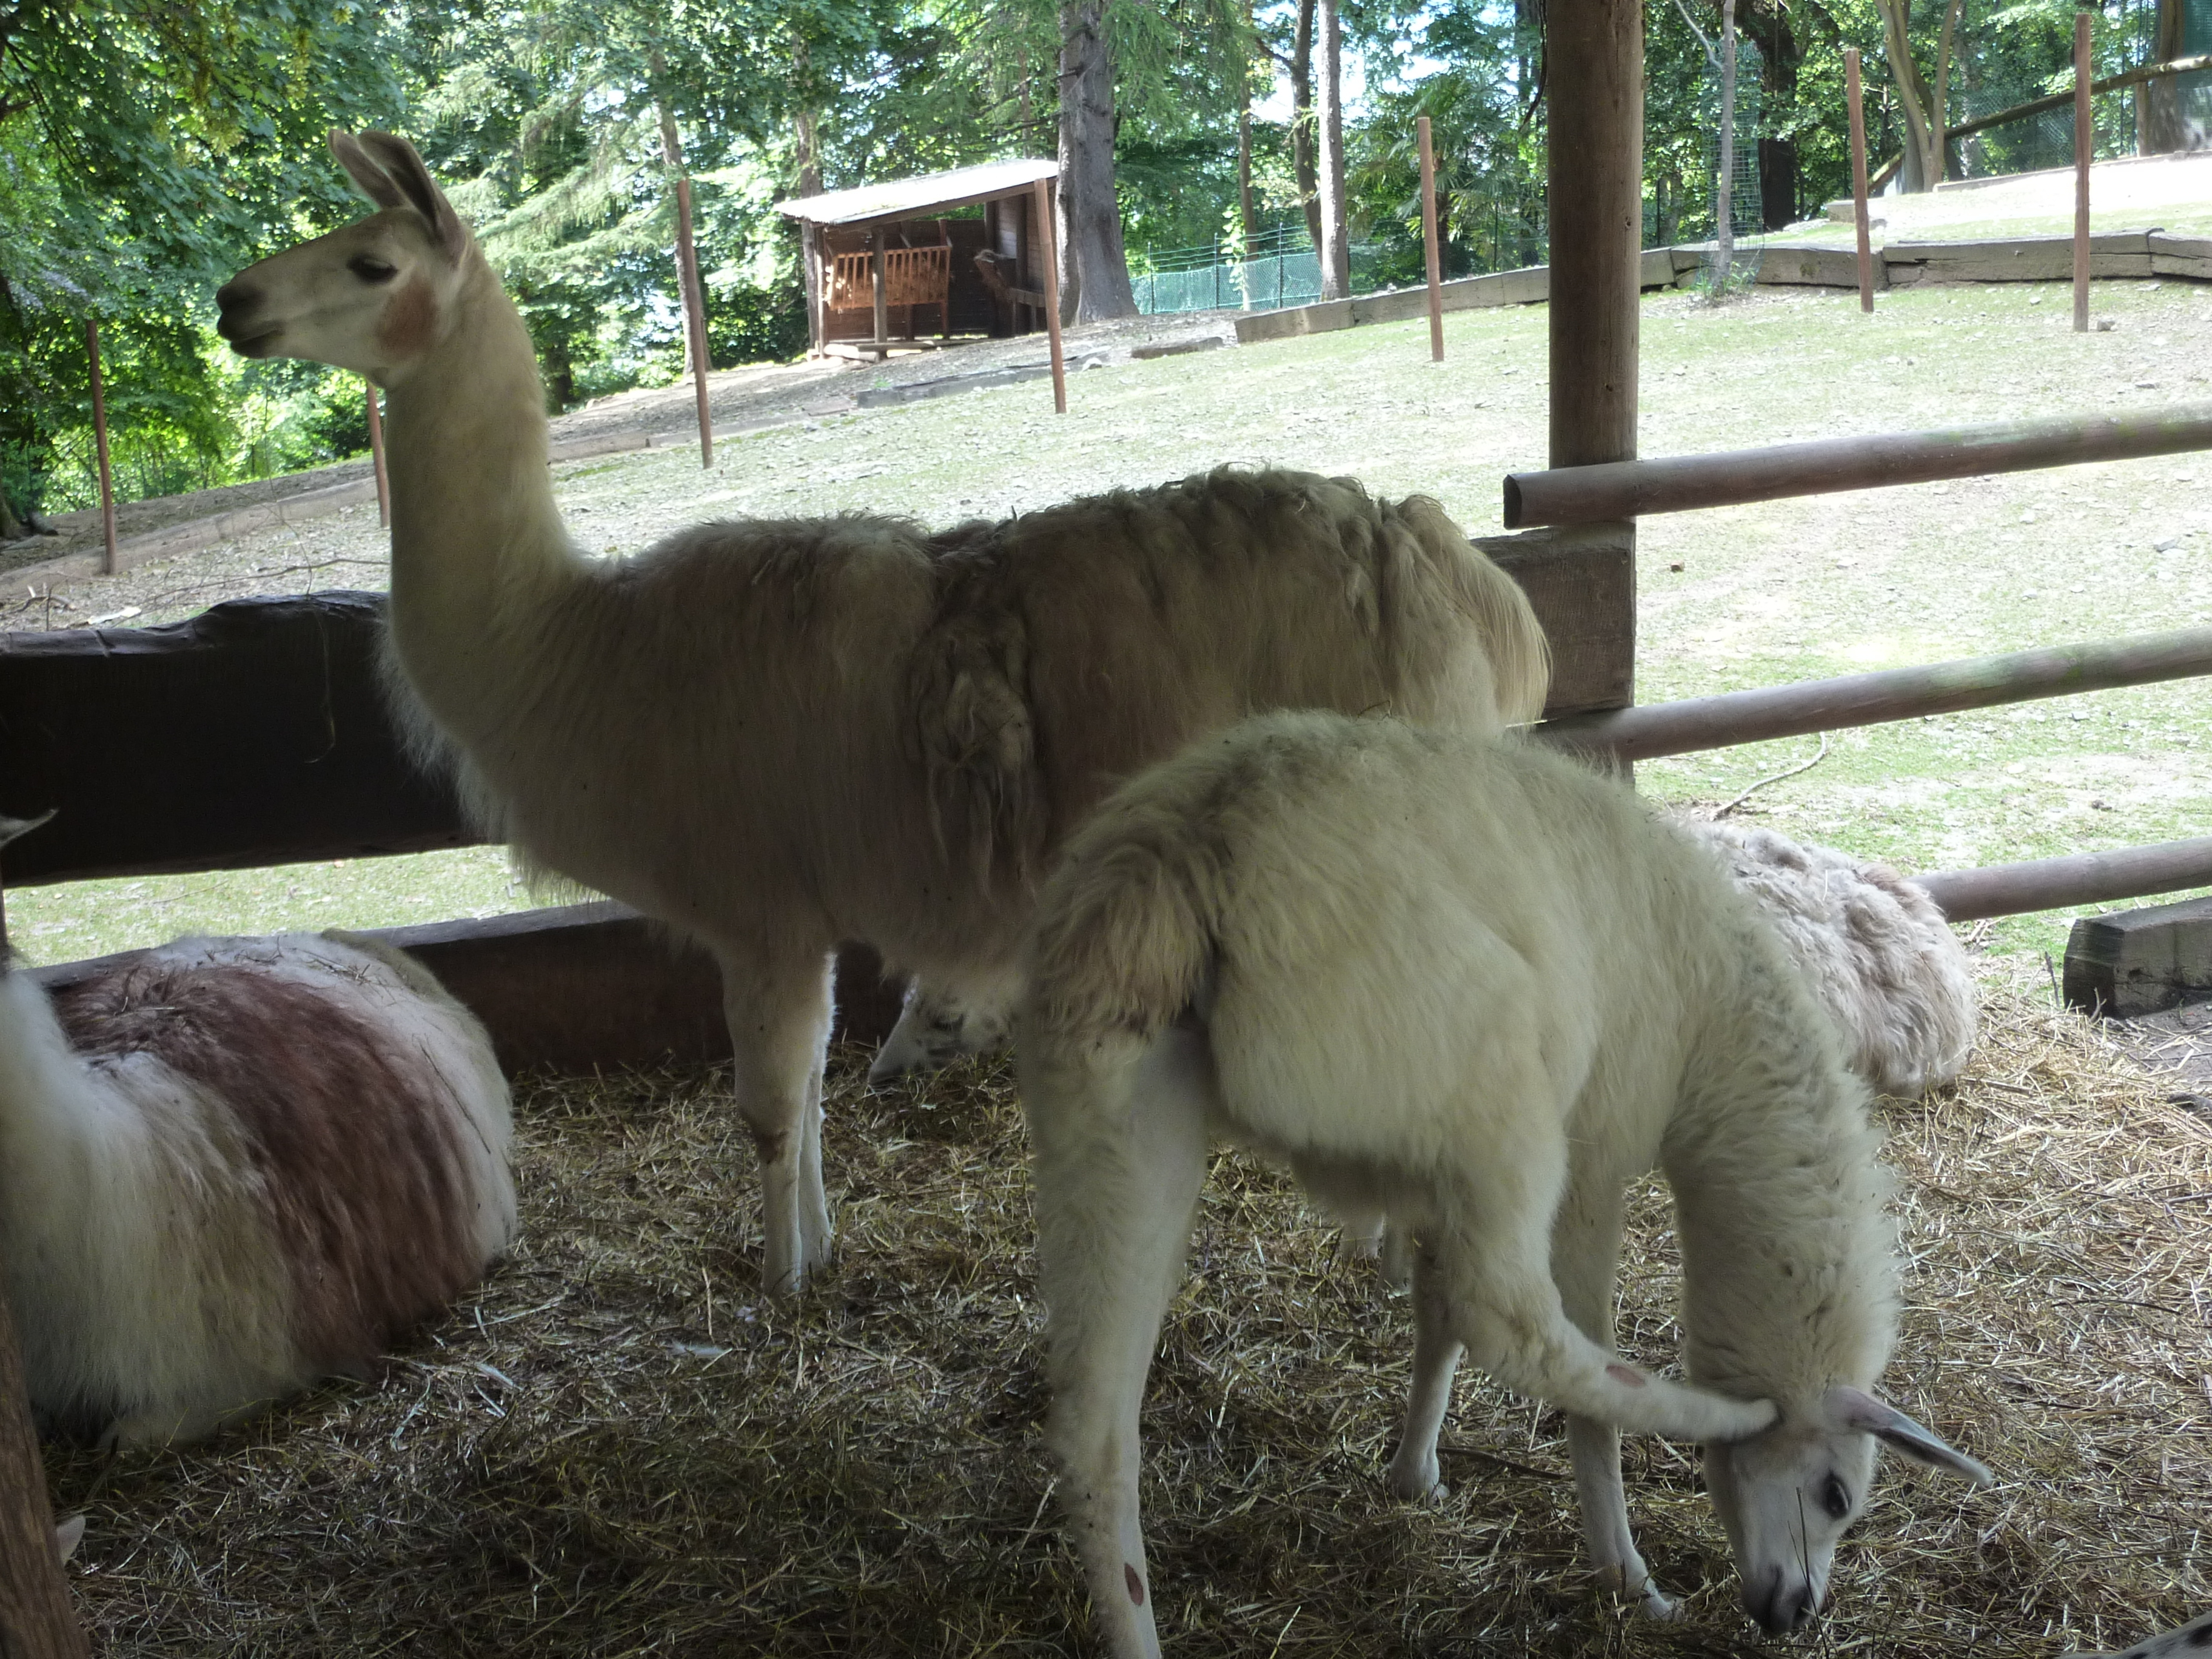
[(1594, 175), (2180, 256), (1781, 264), (1582, 582), (2140, 961), (581, 988), (2020, 259), (35, 1619), (255, 734)]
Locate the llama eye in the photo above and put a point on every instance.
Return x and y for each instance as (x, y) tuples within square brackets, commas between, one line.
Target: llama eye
[(1836, 1498), (370, 268)]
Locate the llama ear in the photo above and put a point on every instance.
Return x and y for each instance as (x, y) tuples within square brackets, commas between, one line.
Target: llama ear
[(405, 168), (1855, 1409), (363, 168)]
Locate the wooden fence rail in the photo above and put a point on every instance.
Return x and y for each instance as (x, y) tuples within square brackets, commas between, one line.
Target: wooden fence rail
[(1628, 489)]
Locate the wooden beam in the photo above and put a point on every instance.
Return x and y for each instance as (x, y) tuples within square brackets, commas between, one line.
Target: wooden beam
[(1595, 84), (35, 1619), (2011, 890), (1048, 227), (1785, 711), (1859, 214), (2085, 151), (2140, 962), (1434, 254), (256, 733), (1680, 484), (1582, 584), (585, 987)]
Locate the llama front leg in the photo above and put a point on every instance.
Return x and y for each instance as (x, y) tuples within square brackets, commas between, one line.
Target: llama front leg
[(1119, 1156), (1415, 1473), (779, 1018), (1585, 1258)]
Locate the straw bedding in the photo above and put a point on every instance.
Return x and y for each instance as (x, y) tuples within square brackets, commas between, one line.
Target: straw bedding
[(618, 1448)]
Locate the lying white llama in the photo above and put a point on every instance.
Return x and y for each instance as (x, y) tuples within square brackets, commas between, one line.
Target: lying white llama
[(230, 1166), (1474, 989), (1878, 953), (777, 735)]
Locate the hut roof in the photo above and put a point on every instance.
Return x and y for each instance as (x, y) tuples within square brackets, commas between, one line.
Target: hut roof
[(921, 197)]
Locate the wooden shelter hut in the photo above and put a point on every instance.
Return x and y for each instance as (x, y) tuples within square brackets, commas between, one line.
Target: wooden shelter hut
[(889, 258)]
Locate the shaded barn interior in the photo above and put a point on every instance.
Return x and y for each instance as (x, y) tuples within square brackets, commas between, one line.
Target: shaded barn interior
[(888, 266)]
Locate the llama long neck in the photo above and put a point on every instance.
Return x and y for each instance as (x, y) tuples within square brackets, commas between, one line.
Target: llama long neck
[(1789, 1272), (479, 551)]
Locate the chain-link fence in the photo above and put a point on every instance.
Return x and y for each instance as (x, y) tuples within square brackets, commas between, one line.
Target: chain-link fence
[(1279, 268)]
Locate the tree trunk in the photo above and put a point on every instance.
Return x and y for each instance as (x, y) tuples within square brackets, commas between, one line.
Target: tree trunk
[(1781, 58), (1247, 220), (1335, 230), (1724, 187), (1097, 267), (808, 156), (11, 527), (1918, 102), (1301, 121), (2159, 126)]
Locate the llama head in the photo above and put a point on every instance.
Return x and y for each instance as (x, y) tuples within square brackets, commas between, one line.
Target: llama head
[(1787, 1494), (373, 297)]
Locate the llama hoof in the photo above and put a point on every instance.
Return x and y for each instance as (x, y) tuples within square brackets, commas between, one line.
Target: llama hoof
[(1662, 1608), (1419, 1483)]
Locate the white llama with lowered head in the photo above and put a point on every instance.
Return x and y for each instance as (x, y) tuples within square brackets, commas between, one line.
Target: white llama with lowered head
[(229, 1167), (1469, 988), (1879, 957), (775, 735)]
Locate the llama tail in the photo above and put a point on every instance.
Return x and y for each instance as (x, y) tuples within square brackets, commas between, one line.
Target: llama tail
[(1512, 639)]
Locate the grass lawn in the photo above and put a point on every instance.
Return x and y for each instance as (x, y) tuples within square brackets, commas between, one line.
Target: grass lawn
[(1743, 597)]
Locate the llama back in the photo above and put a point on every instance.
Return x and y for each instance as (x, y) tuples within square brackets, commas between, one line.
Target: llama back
[(1167, 613), (234, 1165)]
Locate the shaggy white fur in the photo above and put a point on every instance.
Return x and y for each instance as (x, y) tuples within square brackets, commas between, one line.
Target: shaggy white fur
[(228, 1167), (777, 735), (1471, 989)]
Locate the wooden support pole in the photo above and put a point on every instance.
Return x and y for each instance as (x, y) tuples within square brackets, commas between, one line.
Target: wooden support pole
[(1622, 490), (35, 1619), (376, 455), (695, 307), (1859, 177), (2085, 151), (876, 278), (99, 443), (1895, 694), (1047, 228), (1595, 185), (1429, 240), (2012, 890)]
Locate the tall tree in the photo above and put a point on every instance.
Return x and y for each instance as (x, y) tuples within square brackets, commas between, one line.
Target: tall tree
[(1303, 133), (1096, 281), (1334, 245), (1921, 102)]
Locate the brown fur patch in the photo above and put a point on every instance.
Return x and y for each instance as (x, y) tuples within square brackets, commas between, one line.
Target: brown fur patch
[(405, 326), (1136, 1584), (355, 1145)]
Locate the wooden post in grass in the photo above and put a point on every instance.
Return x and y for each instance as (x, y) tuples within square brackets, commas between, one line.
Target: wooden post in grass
[(35, 1621), (1859, 177), (2085, 148), (99, 443), (376, 456), (1047, 241), (687, 267), (1429, 240)]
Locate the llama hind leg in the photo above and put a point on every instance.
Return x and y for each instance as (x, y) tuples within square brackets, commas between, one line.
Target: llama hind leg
[(1119, 1156), (779, 1018), (1585, 1254), (1415, 1473)]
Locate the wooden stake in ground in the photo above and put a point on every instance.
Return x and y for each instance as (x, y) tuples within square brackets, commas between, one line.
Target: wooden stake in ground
[(1859, 177), (1429, 240), (99, 443), (1725, 191), (687, 275), (35, 1619), (376, 455), (1041, 194), (2084, 149)]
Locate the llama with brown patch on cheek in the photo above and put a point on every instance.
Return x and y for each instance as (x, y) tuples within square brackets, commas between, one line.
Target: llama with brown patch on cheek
[(230, 1166)]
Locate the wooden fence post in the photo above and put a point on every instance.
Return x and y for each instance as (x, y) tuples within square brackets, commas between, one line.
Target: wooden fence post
[(1859, 177), (2085, 148), (1429, 239), (35, 1619), (100, 441), (376, 455), (1048, 239)]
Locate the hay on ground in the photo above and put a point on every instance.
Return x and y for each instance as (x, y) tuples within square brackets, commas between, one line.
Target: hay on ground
[(620, 1448)]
